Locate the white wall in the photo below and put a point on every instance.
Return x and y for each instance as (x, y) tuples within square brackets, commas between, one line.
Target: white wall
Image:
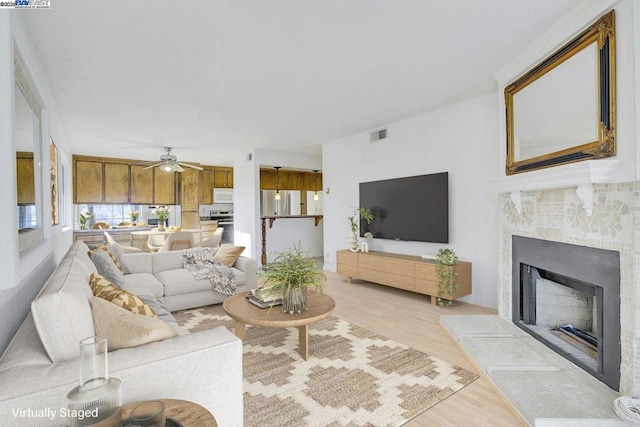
[(580, 18), (460, 139), (23, 276), (246, 191), (287, 231)]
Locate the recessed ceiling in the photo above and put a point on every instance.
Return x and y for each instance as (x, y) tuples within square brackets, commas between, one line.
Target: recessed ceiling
[(218, 79)]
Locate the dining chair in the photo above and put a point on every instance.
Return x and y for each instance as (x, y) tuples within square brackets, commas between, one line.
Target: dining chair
[(213, 241), (155, 242), (126, 249), (178, 240)]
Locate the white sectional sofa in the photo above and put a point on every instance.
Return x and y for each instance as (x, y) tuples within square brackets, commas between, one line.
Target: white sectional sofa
[(41, 363)]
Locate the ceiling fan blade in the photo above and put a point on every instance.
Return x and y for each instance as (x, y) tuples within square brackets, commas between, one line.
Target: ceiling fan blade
[(153, 166), (191, 166)]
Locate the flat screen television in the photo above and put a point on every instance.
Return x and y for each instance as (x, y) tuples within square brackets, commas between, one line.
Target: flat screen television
[(414, 208)]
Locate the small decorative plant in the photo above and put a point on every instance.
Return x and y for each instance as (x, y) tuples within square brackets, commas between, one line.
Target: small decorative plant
[(446, 261), (290, 274), (134, 215), (162, 213), (84, 220), (360, 213)]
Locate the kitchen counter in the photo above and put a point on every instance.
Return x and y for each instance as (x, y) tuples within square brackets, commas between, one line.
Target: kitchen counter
[(121, 235), (272, 218), (118, 230)]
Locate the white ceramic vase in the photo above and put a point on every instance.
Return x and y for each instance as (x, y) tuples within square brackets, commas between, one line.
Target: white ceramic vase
[(352, 242)]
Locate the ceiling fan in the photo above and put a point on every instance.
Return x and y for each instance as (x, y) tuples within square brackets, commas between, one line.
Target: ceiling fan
[(169, 163)]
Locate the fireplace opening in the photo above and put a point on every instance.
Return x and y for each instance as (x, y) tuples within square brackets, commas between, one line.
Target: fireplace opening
[(565, 313), (568, 297)]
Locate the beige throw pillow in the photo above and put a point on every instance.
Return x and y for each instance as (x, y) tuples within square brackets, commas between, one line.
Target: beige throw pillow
[(125, 329), (102, 288), (228, 254)]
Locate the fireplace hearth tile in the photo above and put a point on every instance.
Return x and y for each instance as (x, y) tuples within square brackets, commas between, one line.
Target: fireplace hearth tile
[(539, 383), (555, 395)]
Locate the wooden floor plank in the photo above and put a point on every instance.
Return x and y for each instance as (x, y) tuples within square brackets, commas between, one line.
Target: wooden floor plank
[(410, 318)]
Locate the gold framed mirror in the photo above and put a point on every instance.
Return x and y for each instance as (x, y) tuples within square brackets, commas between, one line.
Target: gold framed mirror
[(563, 110)]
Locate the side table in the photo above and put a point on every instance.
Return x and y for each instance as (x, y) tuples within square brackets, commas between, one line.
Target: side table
[(189, 414)]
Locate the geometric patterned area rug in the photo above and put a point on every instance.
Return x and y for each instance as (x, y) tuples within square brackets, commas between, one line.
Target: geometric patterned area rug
[(353, 377)]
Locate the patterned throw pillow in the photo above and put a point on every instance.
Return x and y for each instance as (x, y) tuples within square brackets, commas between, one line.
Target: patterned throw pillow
[(106, 267), (124, 329), (228, 254), (113, 257), (116, 250), (106, 290)]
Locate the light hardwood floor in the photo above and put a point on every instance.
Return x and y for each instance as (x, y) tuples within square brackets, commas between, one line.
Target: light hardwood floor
[(410, 318)]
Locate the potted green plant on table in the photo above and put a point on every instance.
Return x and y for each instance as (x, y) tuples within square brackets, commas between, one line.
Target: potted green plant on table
[(84, 220), (134, 215), (289, 275), (163, 214), (359, 214), (446, 261)]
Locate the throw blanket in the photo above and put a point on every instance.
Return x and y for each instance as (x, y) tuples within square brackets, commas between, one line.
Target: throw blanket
[(200, 262)]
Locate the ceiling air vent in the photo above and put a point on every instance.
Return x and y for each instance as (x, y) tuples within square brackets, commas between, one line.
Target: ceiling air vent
[(378, 135)]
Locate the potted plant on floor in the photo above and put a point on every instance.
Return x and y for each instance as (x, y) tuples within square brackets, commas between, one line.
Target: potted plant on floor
[(446, 261), (290, 274)]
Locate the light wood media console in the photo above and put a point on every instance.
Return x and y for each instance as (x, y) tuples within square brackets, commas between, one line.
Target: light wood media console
[(401, 271)]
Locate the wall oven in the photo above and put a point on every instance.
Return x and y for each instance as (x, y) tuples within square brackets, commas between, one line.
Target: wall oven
[(225, 220)]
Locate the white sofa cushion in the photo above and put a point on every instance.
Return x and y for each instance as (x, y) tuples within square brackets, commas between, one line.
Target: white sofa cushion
[(147, 281), (170, 260), (61, 312), (181, 281)]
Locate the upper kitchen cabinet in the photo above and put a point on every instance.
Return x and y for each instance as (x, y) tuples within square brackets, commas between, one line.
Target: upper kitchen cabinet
[(189, 190), (164, 187), (116, 183), (223, 178), (141, 185), (206, 187), (98, 180), (289, 180), (88, 182)]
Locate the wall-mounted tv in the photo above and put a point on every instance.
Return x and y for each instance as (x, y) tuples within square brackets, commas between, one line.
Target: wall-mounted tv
[(414, 208)]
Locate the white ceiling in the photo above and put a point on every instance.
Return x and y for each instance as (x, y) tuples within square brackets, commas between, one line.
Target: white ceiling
[(218, 79)]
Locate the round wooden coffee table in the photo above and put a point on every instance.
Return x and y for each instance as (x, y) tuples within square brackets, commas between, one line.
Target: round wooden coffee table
[(189, 414), (244, 313)]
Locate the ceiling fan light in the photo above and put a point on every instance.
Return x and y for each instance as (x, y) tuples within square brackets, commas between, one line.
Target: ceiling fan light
[(167, 168)]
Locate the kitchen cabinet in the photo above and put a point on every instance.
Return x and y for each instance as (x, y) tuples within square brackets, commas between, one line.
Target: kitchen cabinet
[(190, 220), (189, 190), (116, 183), (164, 187), (205, 188), (25, 178), (141, 185), (288, 180), (88, 182), (223, 178)]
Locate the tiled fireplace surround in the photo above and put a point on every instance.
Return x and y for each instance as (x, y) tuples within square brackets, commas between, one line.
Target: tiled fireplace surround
[(559, 215)]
